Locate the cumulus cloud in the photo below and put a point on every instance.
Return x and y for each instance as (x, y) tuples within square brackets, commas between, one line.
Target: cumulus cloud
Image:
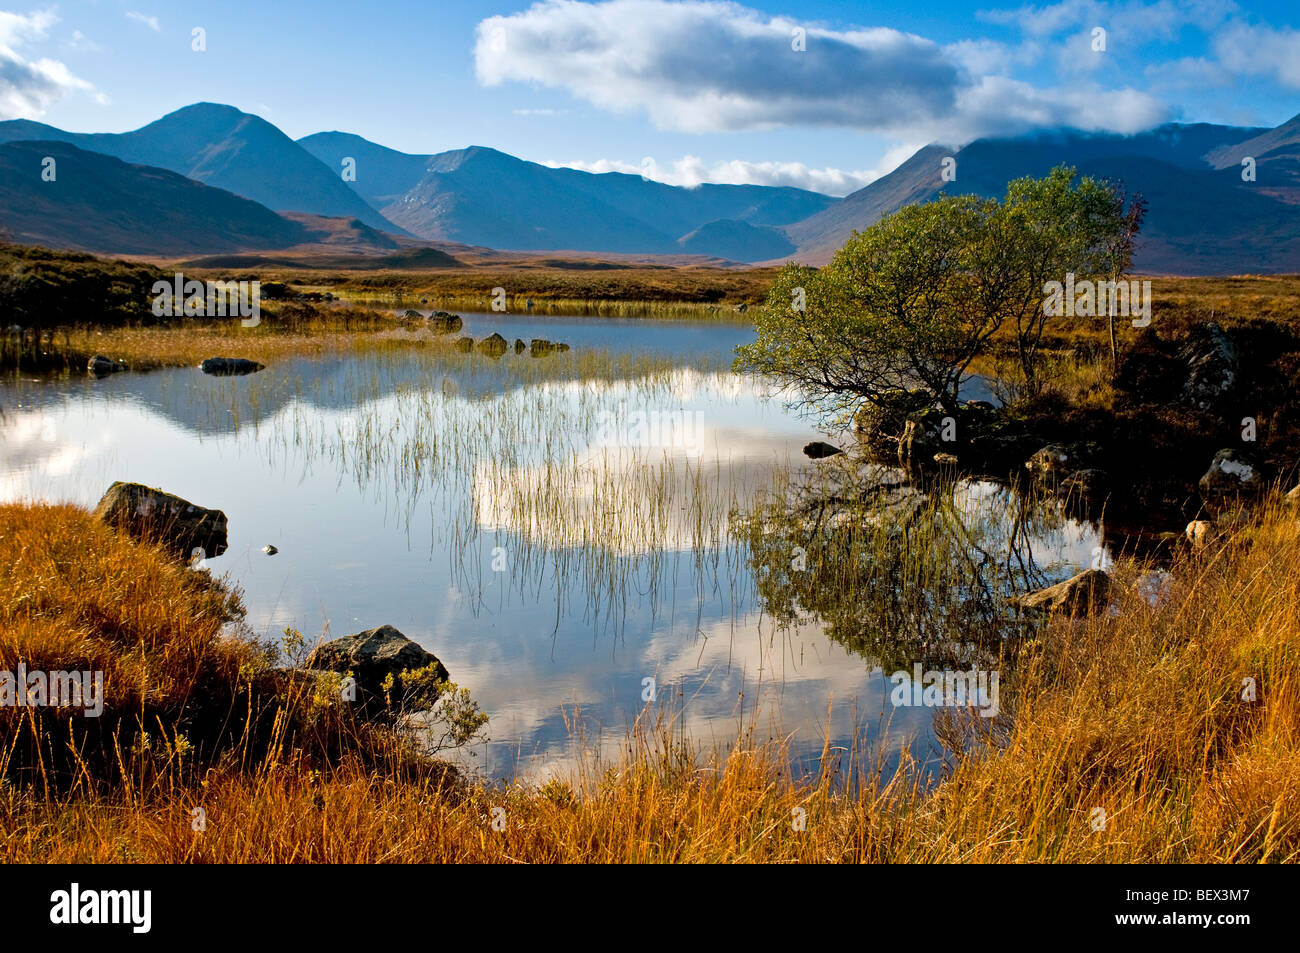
[(1261, 51), (709, 66), (28, 87), (706, 66), (151, 22)]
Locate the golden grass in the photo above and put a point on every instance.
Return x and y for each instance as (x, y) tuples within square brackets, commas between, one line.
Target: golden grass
[(1139, 714)]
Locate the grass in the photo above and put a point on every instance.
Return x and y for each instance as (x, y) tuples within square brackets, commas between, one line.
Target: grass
[(1138, 714)]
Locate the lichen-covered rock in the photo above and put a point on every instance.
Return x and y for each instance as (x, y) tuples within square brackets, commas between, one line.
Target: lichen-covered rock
[(374, 655), (1231, 473), (1083, 594), (1212, 367), (149, 513)]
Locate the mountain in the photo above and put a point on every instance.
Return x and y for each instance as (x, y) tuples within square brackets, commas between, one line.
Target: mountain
[(1277, 160), (481, 196), (1202, 218), (228, 149), (738, 241), (95, 202), (98, 203)]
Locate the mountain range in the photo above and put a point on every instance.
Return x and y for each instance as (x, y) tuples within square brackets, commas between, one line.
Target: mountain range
[(210, 179)]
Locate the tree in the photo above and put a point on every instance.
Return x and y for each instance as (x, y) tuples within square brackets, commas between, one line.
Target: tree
[(909, 302), (914, 299), (1056, 226)]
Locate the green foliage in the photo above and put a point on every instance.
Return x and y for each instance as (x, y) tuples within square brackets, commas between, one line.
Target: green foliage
[(913, 300)]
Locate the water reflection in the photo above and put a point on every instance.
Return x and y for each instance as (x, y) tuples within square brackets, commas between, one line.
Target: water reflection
[(489, 511)]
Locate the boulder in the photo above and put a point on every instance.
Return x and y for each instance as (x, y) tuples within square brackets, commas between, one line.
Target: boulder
[(444, 322), (819, 450), (520, 346), (1079, 595), (372, 656), (1052, 464), (465, 344), (230, 365), (148, 513), (1212, 367), (540, 347), (101, 366), (1231, 473), (1087, 486), (494, 346), (1199, 532)]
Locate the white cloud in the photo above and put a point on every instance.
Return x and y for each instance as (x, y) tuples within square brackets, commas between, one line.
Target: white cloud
[(691, 171), (706, 66), (1261, 51), (150, 22), (28, 87)]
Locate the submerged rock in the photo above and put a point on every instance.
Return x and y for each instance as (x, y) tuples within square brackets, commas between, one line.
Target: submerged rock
[(540, 347), (520, 346), (465, 344), (146, 512), (101, 366), (373, 655), (819, 450), (230, 365), (1079, 595), (444, 322), (493, 346)]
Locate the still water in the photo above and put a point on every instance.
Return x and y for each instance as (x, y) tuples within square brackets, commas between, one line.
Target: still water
[(556, 530)]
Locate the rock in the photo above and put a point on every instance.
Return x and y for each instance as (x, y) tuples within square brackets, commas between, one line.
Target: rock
[(1079, 595), (412, 315), (520, 346), (1051, 464), (819, 450), (444, 322), (540, 347), (465, 345), (1231, 472), (493, 346), (149, 513), (230, 365), (372, 656), (1199, 532), (1087, 485), (561, 347), (101, 366), (948, 460), (269, 549), (1212, 367), (1293, 496)]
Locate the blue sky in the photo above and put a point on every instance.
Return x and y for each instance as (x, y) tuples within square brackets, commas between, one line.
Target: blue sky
[(686, 91)]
